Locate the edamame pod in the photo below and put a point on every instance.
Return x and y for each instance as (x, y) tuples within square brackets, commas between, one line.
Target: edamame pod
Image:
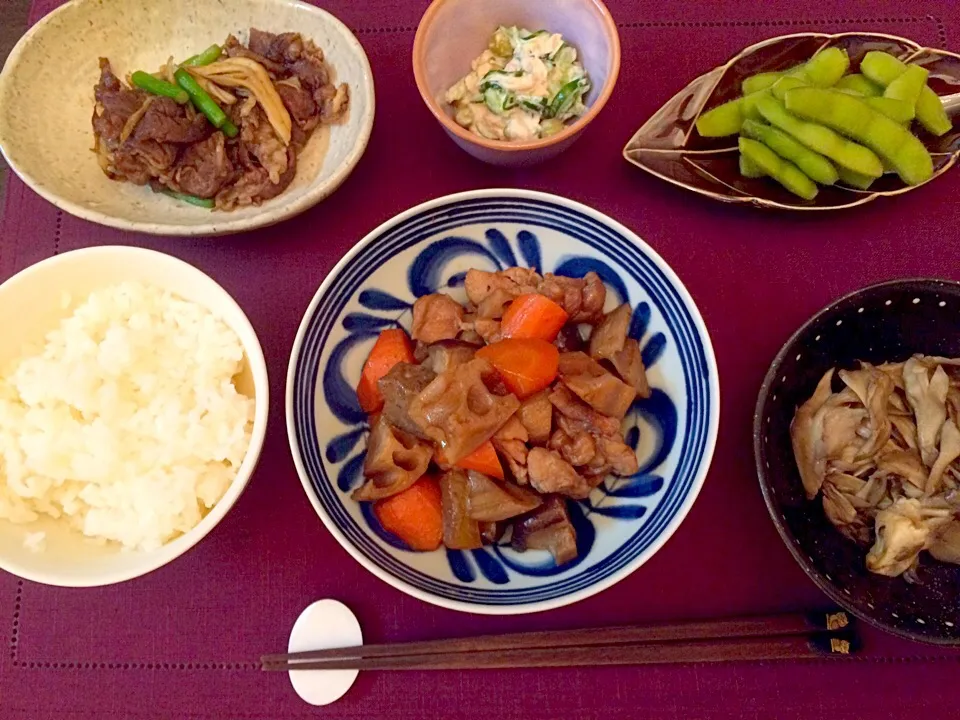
[(821, 139), (858, 121), (860, 84), (883, 68), (826, 67), (722, 120), (853, 179), (783, 171), (897, 110), (784, 84), (748, 168), (909, 85), (760, 81), (814, 165)]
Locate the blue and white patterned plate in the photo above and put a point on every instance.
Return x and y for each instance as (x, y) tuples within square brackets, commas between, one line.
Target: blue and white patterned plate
[(428, 249)]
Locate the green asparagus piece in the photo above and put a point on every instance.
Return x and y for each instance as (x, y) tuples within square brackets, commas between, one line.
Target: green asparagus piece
[(783, 171), (204, 103), (854, 179), (761, 81), (883, 68), (814, 165), (821, 139), (860, 122), (191, 199), (826, 67), (210, 55), (788, 82), (897, 110), (156, 86), (748, 168), (722, 120), (859, 84), (909, 85)]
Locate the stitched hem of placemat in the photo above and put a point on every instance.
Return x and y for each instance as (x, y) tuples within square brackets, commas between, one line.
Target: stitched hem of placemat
[(15, 636)]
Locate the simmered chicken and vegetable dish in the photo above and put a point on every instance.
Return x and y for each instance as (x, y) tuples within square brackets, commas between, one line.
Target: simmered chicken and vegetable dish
[(884, 452), (489, 416), (221, 129), (524, 86)]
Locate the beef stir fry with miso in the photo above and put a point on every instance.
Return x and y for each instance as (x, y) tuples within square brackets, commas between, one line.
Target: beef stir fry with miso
[(489, 416), (221, 129)]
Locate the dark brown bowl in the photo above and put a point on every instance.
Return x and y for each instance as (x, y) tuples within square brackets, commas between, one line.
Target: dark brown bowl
[(669, 146), (886, 322)]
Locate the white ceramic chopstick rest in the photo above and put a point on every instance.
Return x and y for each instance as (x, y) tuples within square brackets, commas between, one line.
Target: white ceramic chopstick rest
[(324, 624)]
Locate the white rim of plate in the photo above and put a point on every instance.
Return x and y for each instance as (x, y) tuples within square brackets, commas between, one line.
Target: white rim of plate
[(642, 558)]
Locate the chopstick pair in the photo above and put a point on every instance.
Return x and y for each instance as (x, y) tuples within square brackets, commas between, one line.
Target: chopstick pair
[(773, 637)]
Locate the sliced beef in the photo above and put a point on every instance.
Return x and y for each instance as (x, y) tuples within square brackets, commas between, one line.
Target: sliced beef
[(283, 48), (254, 186), (399, 387), (436, 317), (234, 48), (140, 161), (114, 106), (332, 101), (166, 121), (260, 141), (300, 104), (204, 167)]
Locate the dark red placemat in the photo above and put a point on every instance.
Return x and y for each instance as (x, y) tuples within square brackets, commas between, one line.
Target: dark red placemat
[(183, 641)]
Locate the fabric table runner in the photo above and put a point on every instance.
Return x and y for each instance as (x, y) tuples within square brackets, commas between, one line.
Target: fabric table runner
[(184, 641)]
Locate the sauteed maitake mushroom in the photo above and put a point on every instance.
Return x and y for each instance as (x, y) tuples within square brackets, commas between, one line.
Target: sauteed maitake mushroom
[(884, 453)]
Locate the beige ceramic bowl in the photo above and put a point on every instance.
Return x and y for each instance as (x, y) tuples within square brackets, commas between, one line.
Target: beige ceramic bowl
[(454, 32), (31, 306), (46, 102)]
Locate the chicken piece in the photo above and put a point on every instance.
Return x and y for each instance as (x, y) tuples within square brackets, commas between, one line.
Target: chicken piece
[(395, 460), (547, 528), (575, 410), (582, 299), (436, 317), (458, 412), (488, 330), (443, 356), (550, 473), (613, 457), (481, 285), (927, 397), (399, 387), (608, 338), (595, 386), (902, 531), (578, 449), (492, 501), (536, 414)]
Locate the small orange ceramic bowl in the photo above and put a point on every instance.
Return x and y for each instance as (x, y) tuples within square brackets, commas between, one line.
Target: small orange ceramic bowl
[(452, 33)]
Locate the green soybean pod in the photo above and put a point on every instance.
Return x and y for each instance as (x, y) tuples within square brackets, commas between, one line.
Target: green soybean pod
[(821, 139), (814, 165), (860, 122), (909, 85), (883, 68), (853, 179), (788, 82), (897, 110), (826, 67), (748, 168), (722, 120), (760, 81), (783, 171), (859, 84)]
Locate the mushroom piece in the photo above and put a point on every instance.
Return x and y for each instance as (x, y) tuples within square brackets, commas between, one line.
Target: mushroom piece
[(927, 397), (806, 433), (905, 464), (949, 451), (399, 387), (547, 528), (460, 531), (901, 536), (873, 388), (946, 546)]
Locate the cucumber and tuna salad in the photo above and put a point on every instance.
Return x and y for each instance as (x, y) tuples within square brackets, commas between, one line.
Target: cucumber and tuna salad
[(524, 86), (819, 124)]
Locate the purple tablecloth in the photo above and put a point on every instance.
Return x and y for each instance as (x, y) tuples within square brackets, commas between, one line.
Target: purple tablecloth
[(183, 641)]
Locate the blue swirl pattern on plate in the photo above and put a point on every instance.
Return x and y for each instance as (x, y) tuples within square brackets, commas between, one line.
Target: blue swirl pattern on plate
[(624, 517)]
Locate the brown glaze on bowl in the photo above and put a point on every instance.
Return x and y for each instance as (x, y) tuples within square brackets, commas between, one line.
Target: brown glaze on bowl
[(669, 146), (886, 322)]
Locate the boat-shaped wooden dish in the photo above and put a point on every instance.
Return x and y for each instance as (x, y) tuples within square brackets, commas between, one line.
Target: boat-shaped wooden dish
[(669, 146)]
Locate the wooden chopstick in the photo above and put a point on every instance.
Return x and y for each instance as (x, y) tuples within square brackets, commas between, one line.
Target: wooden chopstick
[(785, 647), (747, 627)]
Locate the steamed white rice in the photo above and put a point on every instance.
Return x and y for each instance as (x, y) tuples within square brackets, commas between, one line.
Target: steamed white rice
[(126, 423)]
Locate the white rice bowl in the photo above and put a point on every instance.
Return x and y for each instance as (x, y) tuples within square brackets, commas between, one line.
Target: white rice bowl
[(132, 412)]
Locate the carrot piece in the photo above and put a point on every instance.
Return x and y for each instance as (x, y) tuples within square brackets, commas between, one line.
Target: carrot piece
[(526, 365), (414, 515), (392, 347), (533, 316), (484, 459)]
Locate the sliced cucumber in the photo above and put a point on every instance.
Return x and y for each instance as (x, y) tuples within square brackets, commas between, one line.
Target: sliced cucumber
[(566, 98), (565, 56), (494, 78), (499, 100)]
